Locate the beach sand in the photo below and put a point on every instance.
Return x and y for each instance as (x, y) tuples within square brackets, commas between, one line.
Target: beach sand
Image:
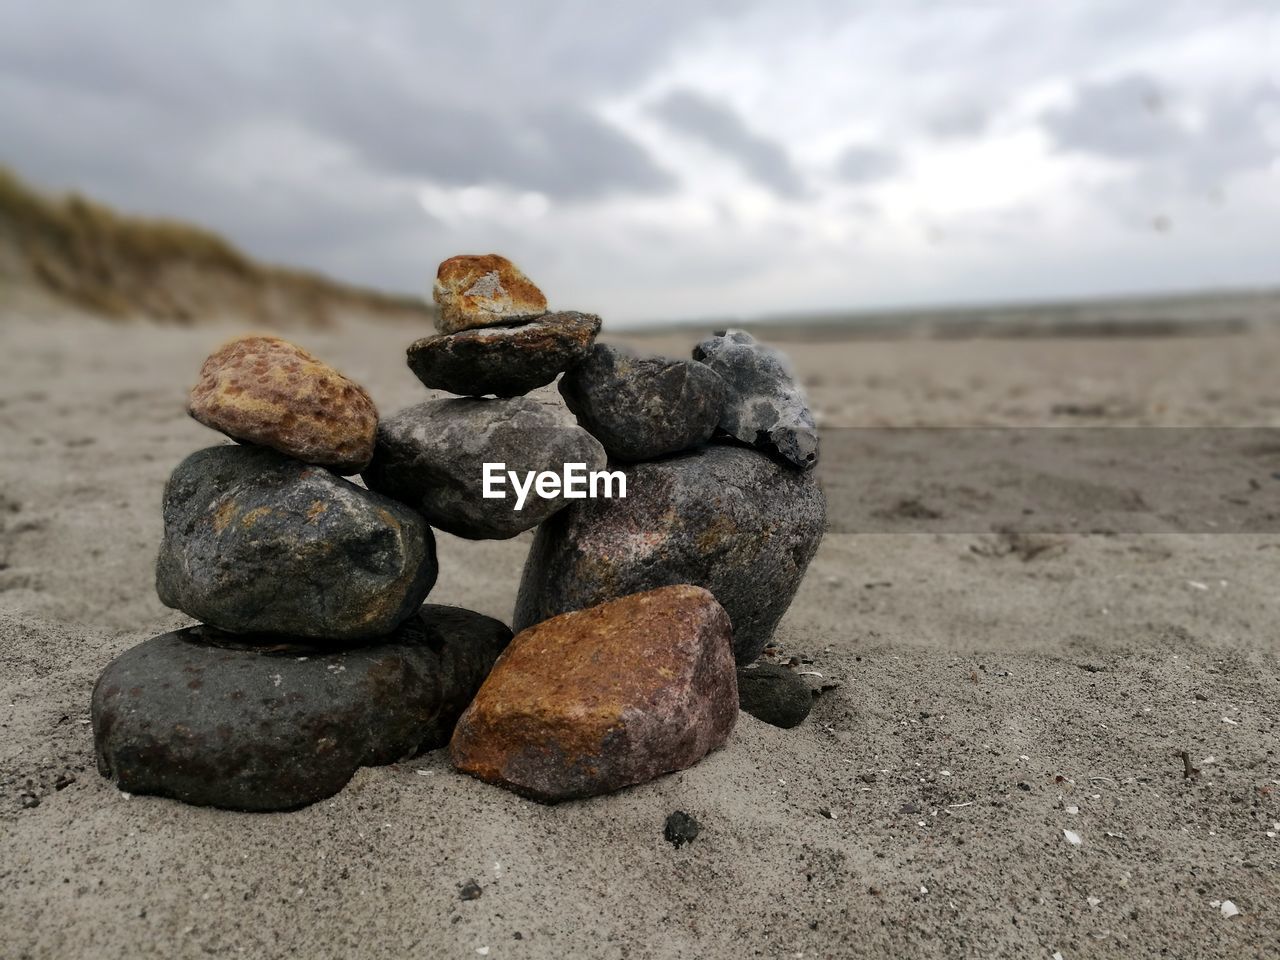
[(994, 692)]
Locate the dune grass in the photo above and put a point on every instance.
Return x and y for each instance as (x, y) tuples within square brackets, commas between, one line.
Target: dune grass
[(123, 266)]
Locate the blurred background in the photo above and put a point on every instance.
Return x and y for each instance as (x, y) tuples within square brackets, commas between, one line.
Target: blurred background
[(655, 162)]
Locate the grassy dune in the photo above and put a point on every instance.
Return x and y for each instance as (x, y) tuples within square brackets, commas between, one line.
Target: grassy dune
[(83, 254)]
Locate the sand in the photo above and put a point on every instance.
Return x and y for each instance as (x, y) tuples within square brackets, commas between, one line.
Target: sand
[(995, 690)]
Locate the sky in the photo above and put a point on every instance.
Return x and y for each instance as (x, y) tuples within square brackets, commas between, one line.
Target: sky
[(679, 160)]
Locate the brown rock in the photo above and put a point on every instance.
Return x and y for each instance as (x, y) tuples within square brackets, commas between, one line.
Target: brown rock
[(599, 699), (484, 291), (268, 391), (504, 361)]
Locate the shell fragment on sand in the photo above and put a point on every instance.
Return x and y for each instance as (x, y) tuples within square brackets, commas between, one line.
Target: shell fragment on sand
[(264, 390), (600, 699)]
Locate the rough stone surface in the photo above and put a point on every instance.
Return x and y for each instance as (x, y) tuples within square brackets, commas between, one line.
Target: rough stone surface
[(680, 828), (774, 694), (504, 361), (268, 391), (764, 406), (604, 698), (257, 543), (723, 517), (208, 718), (480, 291), (432, 455), (643, 407)]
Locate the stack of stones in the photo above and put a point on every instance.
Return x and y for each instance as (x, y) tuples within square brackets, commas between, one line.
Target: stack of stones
[(639, 618), (315, 654)]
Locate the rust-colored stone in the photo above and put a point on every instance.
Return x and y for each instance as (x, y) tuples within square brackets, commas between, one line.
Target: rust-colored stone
[(603, 698), (268, 391), (483, 291)]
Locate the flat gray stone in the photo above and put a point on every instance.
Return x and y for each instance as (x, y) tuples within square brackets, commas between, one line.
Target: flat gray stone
[(722, 517), (431, 456), (641, 408), (506, 361), (261, 723), (774, 694), (255, 542), (764, 406)]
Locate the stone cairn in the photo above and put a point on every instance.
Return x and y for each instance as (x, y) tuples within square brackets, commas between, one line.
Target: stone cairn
[(639, 619)]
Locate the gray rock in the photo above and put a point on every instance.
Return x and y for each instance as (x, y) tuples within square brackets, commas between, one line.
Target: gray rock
[(641, 408), (774, 694), (721, 517), (506, 361), (216, 719), (764, 406), (432, 455), (255, 542)]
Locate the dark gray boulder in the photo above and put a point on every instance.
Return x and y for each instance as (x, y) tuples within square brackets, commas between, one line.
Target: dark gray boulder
[(764, 406), (722, 517), (641, 408), (266, 723), (431, 456), (255, 542), (506, 361), (774, 694)]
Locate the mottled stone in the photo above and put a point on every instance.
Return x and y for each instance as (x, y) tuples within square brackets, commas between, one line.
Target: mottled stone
[(764, 406), (774, 694), (681, 828), (271, 723), (480, 291), (432, 455), (604, 698), (640, 408), (504, 361), (723, 517), (268, 391), (257, 543)]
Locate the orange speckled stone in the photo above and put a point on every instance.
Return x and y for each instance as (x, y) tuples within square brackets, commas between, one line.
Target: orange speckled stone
[(483, 291), (268, 391), (603, 698)]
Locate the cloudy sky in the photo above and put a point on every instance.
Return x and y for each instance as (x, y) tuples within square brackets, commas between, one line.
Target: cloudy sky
[(664, 159)]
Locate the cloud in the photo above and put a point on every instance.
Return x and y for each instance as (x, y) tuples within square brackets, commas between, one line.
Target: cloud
[(1123, 118), (863, 164), (1197, 145), (719, 127), (371, 140)]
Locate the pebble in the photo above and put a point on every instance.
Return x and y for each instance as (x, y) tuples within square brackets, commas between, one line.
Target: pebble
[(641, 408), (481, 291), (723, 517), (213, 719), (680, 828), (264, 390), (764, 406), (255, 542), (431, 457), (600, 699), (504, 361), (774, 694)]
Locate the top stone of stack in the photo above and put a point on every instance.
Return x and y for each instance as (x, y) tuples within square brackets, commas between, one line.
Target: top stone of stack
[(484, 291)]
